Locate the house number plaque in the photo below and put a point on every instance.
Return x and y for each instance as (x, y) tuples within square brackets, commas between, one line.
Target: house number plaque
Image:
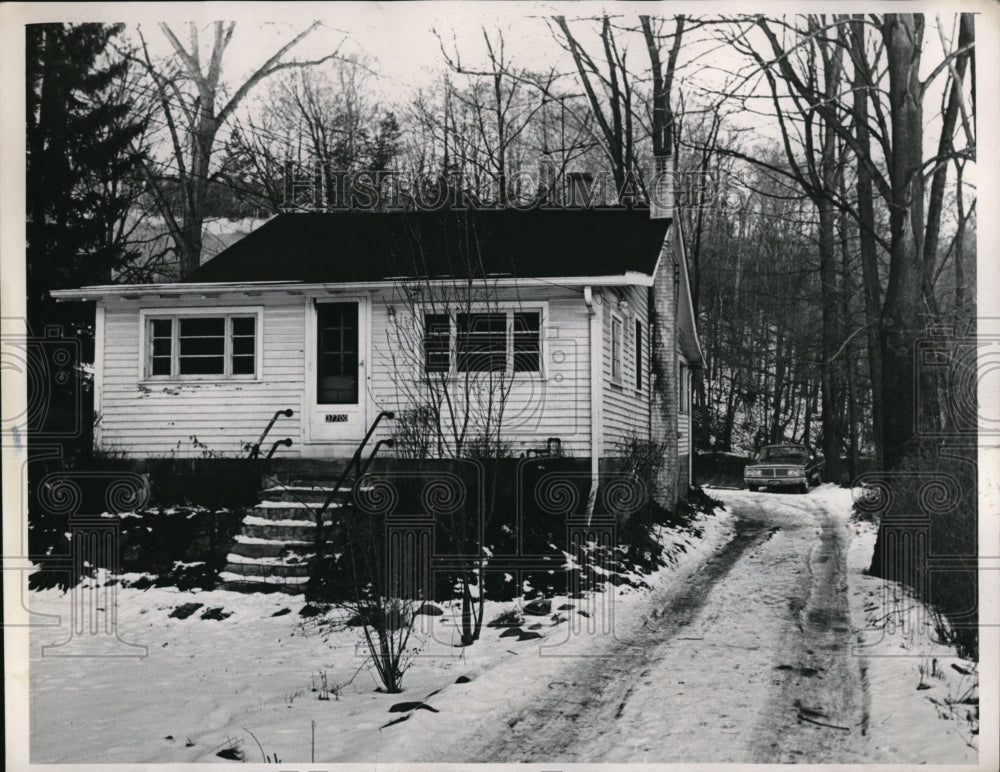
[(336, 418)]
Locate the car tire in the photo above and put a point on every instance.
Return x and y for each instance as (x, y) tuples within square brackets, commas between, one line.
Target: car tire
[(804, 488), (752, 488)]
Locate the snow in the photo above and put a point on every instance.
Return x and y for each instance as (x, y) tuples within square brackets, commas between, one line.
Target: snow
[(241, 539), (294, 505), (263, 561), (894, 657), (302, 523), (208, 684), (229, 576)]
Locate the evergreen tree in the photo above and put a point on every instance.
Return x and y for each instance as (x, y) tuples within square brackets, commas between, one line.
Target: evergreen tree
[(82, 174), (80, 147)]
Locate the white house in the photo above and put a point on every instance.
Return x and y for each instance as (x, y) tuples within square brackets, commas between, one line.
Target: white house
[(584, 317)]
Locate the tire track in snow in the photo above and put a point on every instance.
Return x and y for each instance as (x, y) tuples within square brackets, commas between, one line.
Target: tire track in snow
[(818, 712), (595, 693)]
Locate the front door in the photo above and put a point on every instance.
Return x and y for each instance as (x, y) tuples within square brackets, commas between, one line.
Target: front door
[(338, 409)]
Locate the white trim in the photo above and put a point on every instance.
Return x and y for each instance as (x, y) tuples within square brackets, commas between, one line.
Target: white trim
[(145, 314), (99, 344), (139, 291), (596, 342)]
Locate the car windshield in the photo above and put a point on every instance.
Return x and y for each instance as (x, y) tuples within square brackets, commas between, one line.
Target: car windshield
[(784, 455)]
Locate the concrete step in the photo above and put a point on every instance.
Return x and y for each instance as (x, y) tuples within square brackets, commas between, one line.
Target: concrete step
[(296, 530), (307, 494), (287, 469), (291, 510), (266, 548), (236, 583), (258, 570)]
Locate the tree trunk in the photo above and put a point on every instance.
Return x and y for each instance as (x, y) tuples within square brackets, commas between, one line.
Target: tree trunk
[(779, 380), (866, 234), (903, 36)]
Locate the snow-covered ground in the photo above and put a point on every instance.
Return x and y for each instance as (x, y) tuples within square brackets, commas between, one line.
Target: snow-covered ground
[(206, 685), (255, 676), (911, 677), (912, 681)]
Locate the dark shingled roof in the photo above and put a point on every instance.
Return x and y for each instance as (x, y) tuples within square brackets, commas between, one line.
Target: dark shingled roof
[(373, 246)]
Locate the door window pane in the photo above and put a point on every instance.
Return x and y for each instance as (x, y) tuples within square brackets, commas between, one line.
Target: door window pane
[(337, 355)]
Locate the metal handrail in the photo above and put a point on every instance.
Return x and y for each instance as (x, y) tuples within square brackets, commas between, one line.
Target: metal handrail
[(354, 463), (386, 443), (287, 442), (255, 448)]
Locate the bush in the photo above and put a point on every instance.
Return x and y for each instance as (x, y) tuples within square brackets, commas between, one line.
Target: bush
[(183, 547)]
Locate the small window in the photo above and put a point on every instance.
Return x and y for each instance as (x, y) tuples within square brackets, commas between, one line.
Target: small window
[(616, 349), (202, 346), (437, 343), (683, 392), (244, 338), (527, 342), (638, 355), (161, 346)]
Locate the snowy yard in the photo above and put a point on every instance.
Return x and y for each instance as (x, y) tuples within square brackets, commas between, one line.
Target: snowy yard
[(256, 675)]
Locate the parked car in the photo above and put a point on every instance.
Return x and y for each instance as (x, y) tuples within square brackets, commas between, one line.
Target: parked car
[(784, 466)]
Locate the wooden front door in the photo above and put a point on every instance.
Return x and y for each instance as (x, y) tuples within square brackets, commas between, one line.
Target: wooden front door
[(338, 378)]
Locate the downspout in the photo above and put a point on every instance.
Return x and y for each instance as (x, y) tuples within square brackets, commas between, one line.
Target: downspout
[(596, 385)]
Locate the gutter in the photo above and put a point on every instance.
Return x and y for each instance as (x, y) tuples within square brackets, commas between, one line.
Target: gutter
[(254, 288), (596, 384)]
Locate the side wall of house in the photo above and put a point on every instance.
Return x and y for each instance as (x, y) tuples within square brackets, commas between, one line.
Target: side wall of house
[(144, 418), (625, 400), (664, 425), (683, 424)]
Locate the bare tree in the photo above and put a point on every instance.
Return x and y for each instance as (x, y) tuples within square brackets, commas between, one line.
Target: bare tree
[(190, 93), (896, 172), (455, 350)]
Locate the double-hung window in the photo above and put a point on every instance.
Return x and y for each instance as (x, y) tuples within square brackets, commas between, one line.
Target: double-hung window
[(616, 349), (199, 346), (497, 341)]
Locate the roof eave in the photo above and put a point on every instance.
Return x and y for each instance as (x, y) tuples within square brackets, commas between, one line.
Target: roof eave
[(137, 291)]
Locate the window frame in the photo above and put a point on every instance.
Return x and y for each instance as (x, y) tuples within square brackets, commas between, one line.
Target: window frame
[(617, 342), (510, 310), (148, 315), (684, 388)]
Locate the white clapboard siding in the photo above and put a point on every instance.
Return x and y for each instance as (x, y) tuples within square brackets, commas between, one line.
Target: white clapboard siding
[(626, 409), (554, 405), (149, 419)]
